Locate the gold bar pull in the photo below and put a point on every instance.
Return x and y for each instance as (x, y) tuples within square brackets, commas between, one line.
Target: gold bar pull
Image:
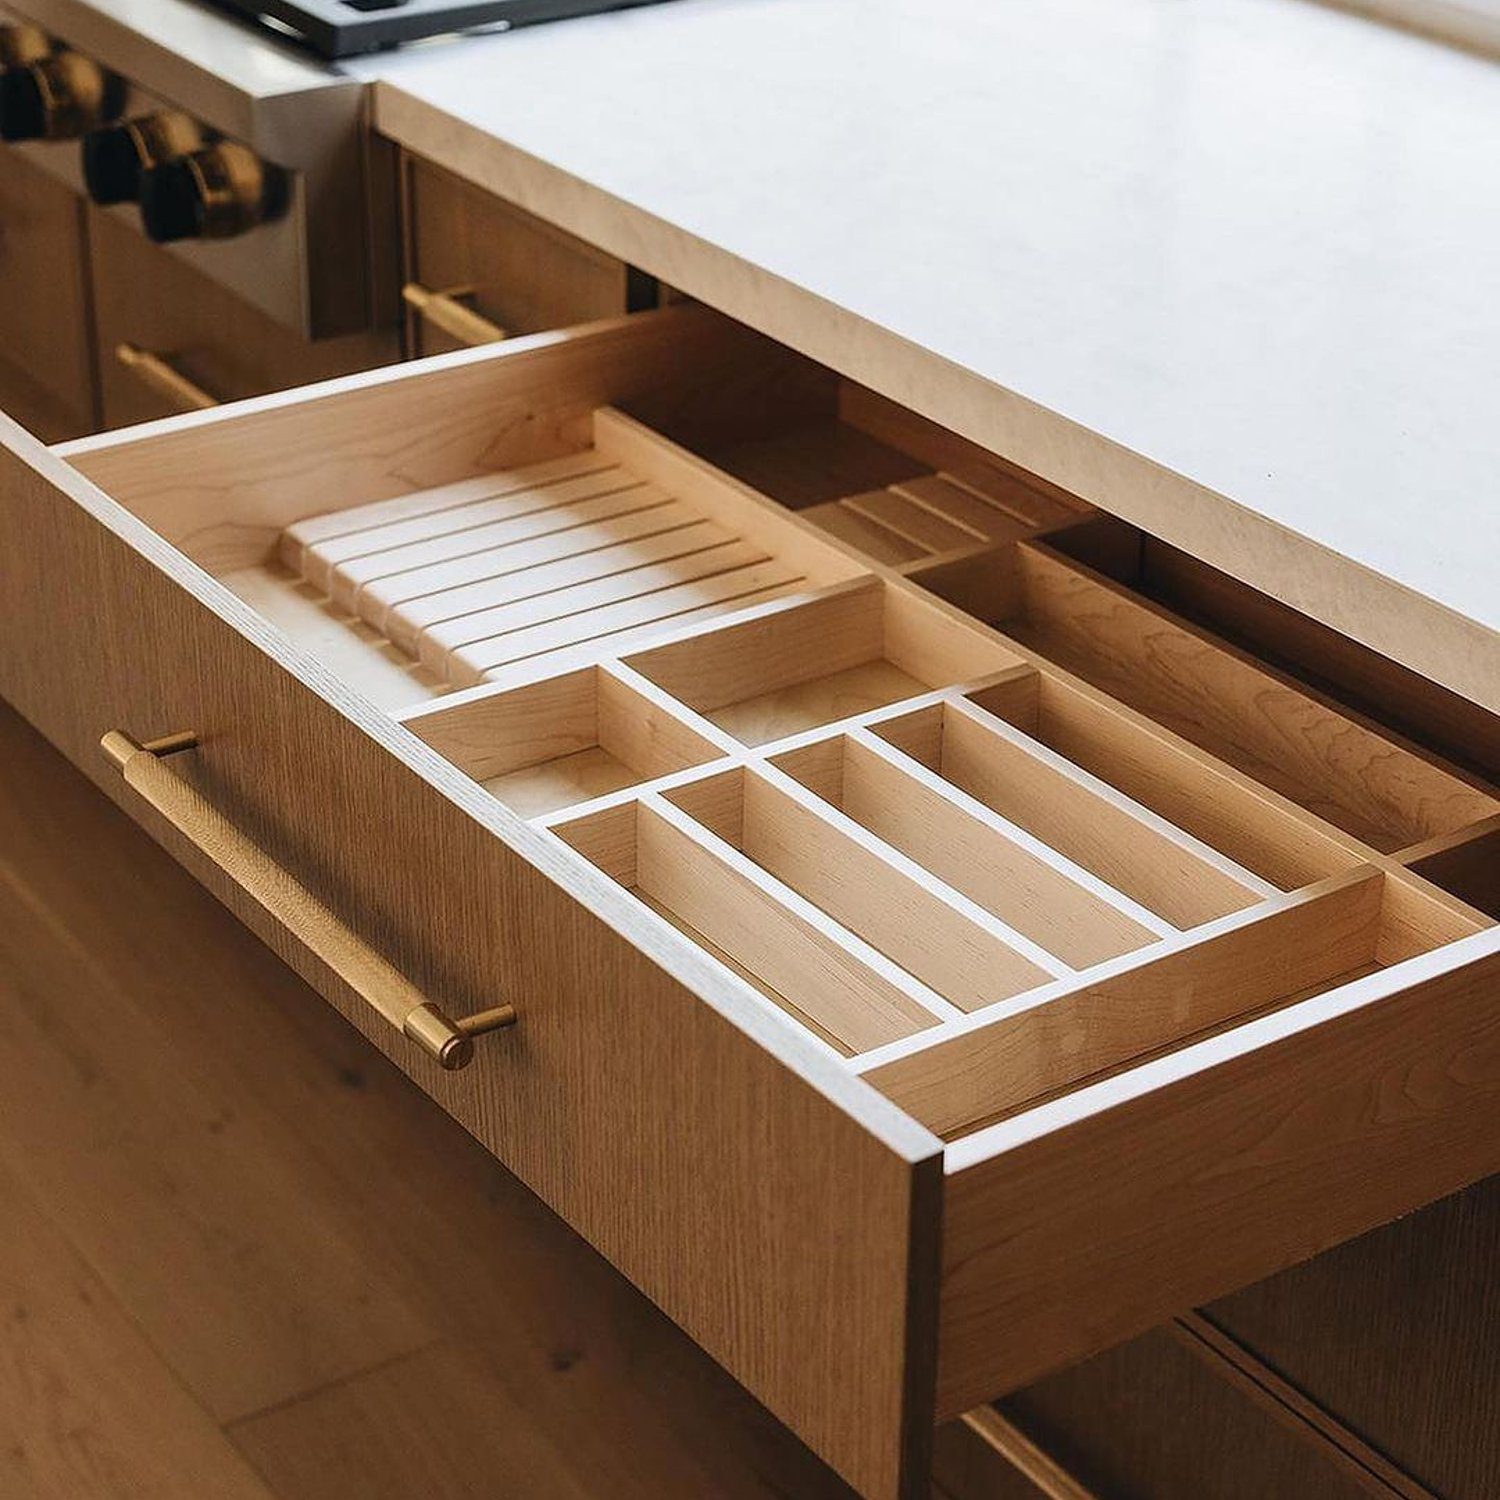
[(444, 310), (156, 374), (293, 905)]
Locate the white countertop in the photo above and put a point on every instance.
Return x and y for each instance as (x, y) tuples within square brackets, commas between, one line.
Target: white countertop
[(1228, 268)]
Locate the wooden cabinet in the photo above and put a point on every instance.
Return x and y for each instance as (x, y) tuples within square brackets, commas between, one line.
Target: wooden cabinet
[(189, 327), (512, 270), (46, 375), (912, 999)]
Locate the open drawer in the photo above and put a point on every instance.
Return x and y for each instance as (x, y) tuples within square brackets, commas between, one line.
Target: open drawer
[(911, 998)]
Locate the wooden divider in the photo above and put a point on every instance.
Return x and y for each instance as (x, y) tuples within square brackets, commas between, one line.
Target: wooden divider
[(957, 949), (1125, 845), (1059, 905)]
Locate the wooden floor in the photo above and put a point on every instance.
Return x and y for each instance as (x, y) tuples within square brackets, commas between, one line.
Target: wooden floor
[(242, 1257)]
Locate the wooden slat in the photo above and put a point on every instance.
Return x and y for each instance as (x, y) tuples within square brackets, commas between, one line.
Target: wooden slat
[(919, 524), (324, 563), (349, 579), (445, 620), (463, 582), (869, 537), (964, 507), (322, 531), (472, 662), (594, 602), (1370, 1469), (1188, 787), (1085, 820), (1025, 1455)]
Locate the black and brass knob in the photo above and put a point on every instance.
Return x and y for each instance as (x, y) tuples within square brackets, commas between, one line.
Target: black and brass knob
[(58, 98), (213, 193), (22, 44), (115, 156)]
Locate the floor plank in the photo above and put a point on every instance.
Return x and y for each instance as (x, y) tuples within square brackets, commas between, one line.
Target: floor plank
[(200, 1215), (88, 1411)]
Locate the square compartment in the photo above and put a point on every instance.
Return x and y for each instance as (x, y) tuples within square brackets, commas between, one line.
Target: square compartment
[(560, 741), (795, 666)]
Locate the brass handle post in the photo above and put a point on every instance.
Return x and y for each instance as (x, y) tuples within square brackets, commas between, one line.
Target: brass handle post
[(291, 904), (444, 310), (155, 373)]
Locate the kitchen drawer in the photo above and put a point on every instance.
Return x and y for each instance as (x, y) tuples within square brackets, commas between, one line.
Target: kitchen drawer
[(196, 334), (46, 377), (905, 1012), (515, 271)]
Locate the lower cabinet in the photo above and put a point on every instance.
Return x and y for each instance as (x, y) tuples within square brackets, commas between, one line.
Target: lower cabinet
[(478, 268), (1373, 1369), (46, 380), (169, 339)]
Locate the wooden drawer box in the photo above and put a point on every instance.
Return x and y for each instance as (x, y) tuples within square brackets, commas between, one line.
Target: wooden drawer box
[(906, 1013)]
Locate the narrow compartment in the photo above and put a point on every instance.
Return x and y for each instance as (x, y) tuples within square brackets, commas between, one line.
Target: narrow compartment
[(797, 957), (1005, 870), (1354, 675), (1369, 784), (561, 741), (1182, 784), (931, 932), (1122, 843), (807, 663), (1310, 942)]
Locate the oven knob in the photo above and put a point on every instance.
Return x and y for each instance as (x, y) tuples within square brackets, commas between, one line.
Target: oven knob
[(21, 44), (212, 194), (115, 156), (57, 98)]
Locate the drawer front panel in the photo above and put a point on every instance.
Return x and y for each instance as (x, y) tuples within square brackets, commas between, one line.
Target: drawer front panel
[(45, 378), (744, 1197), (512, 269), (1237, 1158), (148, 299)]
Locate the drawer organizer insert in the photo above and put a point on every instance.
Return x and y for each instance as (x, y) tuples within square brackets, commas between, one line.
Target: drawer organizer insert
[(921, 828), (982, 866)]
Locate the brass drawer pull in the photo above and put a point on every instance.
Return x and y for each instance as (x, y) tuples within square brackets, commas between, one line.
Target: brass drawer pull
[(444, 310), (155, 373), (297, 909)]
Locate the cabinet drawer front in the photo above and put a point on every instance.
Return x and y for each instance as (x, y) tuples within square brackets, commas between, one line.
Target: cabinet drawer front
[(150, 300), (44, 354), (512, 269), (911, 998), (738, 1188)]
